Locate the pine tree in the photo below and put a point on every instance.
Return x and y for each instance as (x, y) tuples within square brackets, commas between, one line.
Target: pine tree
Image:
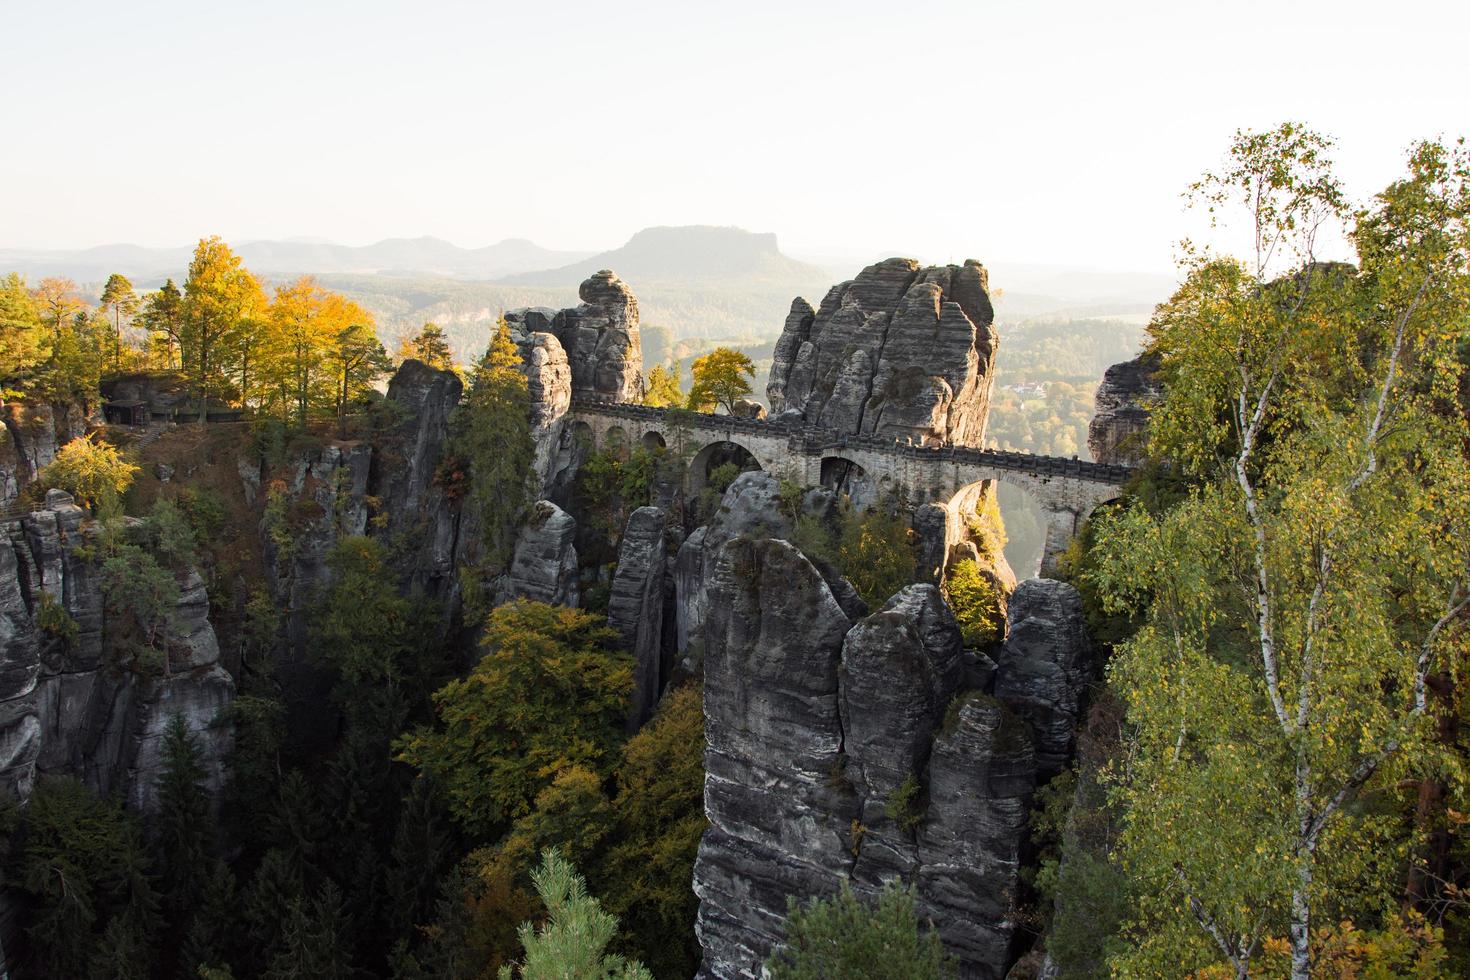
[(119, 302), (492, 431), (572, 941), (211, 939), (185, 829)]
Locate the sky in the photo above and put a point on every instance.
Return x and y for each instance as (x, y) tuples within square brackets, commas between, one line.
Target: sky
[(1054, 132)]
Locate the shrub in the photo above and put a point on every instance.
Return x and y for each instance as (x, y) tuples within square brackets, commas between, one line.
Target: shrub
[(92, 472), (844, 937), (976, 602)]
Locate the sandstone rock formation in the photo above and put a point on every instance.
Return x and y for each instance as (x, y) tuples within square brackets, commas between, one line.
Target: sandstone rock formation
[(898, 352), (842, 745), (34, 431), (600, 337), (544, 566), (1117, 432), (549, 378), (1045, 667), (751, 507), (636, 606), (74, 706)]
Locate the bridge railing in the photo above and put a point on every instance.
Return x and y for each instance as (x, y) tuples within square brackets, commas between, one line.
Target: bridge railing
[(816, 439)]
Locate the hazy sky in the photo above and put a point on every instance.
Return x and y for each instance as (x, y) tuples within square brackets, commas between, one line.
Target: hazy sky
[(1040, 131)]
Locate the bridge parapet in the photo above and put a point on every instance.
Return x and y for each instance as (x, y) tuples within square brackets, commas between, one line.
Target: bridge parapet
[(815, 439)]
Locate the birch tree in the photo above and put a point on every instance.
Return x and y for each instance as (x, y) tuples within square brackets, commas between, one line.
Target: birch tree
[(1316, 574)]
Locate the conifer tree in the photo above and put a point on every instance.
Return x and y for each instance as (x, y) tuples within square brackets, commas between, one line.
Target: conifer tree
[(119, 302)]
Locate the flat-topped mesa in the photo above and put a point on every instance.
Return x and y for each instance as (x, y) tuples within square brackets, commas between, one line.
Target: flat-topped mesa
[(901, 351), (600, 337)]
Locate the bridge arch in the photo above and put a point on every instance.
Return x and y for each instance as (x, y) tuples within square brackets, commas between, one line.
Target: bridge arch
[(715, 455), (653, 441), (615, 441), (848, 476)]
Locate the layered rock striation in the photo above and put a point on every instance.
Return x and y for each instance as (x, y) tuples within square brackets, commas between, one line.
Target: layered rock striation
[(34, 431), (71, 703), (600, 337), (900, 351), (847, 746), (1118, 431)]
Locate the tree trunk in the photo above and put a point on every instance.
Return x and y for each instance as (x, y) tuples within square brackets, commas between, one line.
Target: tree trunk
[(1426, 877), (1301, 921)]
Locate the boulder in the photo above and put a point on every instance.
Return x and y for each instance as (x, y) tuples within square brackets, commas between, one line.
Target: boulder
[(72, 705), (781, 818), (544, 566)]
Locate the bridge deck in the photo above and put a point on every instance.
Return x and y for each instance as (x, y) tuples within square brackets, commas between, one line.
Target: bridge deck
[(815, 440)]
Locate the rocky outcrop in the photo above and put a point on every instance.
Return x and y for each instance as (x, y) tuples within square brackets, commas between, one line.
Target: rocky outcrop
[(898, 352), (1118, 431), (70, 703), (751, 507), (635, 608), (544, 566), (600, 337), (549, 383), (34, 431), (1045, 667), (840, 751), (781, 817)]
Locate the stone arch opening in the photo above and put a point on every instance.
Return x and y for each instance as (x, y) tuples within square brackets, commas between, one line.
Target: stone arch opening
[(653, 441), (615, 441), (719, 463), (980, 524), (848, 477)]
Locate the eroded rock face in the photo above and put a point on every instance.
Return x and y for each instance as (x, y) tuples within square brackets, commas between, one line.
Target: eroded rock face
[(544, 567), (1118, 431), (34, 431), (1045, 667), (850, 751), (75, 707), (549, 378), (600, 337), (898, 352), (780, 815), (636, 606), (751, 507)]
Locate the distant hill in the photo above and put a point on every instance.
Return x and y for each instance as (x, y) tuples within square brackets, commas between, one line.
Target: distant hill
[(392, 256), (690, 253)]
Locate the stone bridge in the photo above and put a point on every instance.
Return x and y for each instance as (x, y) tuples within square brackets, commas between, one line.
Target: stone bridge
[(1067, 490)]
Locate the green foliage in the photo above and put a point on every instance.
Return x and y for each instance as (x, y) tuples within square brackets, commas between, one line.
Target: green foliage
[(572, 942), (430, 346), (53, 620), (140, 595), (662, 388), (362, 627), (659, 813), (905, 805), (1279, 676), (873, 549), (93, 472), (976, 601), (722, 476), (171, 534), (548, 693), (844, 937), (721, 378), (82, 864), (491, 429)]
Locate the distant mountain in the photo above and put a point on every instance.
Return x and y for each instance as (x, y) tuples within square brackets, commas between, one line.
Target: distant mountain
[(688, 254), (392, 256)]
